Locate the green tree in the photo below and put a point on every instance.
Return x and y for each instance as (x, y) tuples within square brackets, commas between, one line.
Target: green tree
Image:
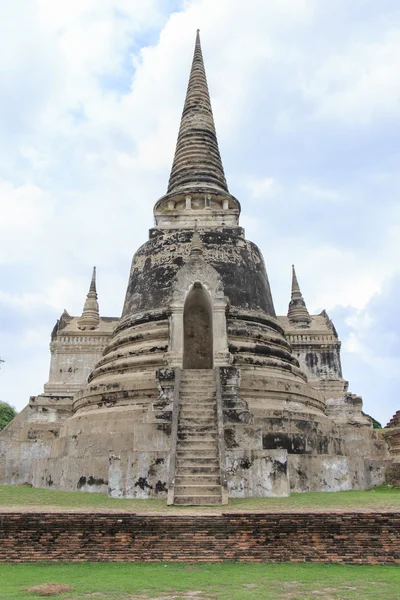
[(7, 413), (375, 423)]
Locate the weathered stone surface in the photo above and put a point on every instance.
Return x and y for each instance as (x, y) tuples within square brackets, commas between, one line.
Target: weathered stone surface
[(138, 474), (257, 473), (392, 474), (394, 421), (199, 388), (391, 434), (330, 473), (346, 537)]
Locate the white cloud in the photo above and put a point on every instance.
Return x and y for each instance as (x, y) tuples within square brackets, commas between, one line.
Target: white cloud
[(353, 344), (360, 82), (25, 212), (316, 191), (261, 188)]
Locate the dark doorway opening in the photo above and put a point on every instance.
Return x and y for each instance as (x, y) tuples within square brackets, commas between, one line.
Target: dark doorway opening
[(197, 328)]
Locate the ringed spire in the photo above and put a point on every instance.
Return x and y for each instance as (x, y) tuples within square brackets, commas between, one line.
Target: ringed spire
[(197, 188), (90, 318), (197, 162), (298, 313)]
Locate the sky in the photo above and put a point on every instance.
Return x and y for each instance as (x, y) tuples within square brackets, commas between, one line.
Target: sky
[(306, 100)]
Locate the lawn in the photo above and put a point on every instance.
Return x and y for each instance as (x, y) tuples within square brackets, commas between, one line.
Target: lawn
[(26, 498), (228, 581)]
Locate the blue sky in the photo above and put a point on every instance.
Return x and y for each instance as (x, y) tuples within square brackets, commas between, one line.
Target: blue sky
[(306, 98)]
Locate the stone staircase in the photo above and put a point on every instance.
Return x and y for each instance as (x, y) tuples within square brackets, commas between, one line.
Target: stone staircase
[(197, 468)]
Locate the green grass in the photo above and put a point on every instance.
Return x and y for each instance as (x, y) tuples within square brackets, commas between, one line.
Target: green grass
[(23, 497), (228, 581)]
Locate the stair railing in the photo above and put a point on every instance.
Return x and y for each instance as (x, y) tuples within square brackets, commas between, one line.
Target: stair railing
[(174, 437), (221, 439)]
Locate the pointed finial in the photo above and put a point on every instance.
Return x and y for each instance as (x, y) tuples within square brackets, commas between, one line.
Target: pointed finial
[(295, 283), (298, 313), (90, 318), (196, 248), (93, 282)]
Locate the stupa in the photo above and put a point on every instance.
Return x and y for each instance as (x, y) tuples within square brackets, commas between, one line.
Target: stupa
[(199, 392)]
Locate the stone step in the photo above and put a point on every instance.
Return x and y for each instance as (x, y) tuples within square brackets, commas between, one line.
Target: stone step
[(197, 392), (206, 451), (185, 442), (197, 453), (200, 420), (197, 444), (198, 500), (200, 455), (188, 433), (202, 437), (201, 396), (188, 460), (206, 406), (196, 411), (198, 479), (192, 379), (185, 435), (188, 377), (196, 428), (196, 379), (190, 426), (195, 383), (197, 490), (198, 416), (198, 405), (198, 470)]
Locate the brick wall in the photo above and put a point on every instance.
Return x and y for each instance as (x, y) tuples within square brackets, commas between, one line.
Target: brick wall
[(368, 538)]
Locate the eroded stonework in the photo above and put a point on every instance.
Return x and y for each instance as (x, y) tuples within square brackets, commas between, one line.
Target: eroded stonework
[(199, 392), (391, 434)]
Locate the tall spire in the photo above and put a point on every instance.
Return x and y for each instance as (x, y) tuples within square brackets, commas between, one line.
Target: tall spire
[(298, 313), (197, 163), (90, 318), (197, 188)]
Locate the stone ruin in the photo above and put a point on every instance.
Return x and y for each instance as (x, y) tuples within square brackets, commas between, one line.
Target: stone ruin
[(199, 392), (391, 434)]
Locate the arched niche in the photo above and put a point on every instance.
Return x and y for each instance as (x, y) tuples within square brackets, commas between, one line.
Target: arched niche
[(198, 329), (198, 287)]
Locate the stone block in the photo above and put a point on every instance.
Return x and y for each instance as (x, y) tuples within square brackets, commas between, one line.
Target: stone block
[(257, 473), (138, 475)]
